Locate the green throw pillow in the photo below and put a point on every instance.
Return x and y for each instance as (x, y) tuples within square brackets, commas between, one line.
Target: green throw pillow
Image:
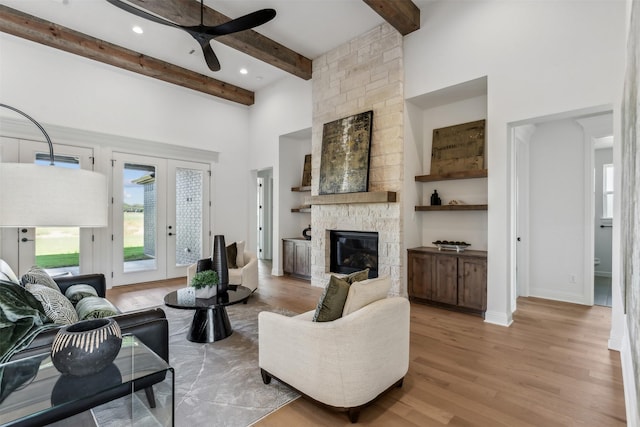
[(232, 255), (332, 300), (75, 293), (357, 276), (95, 308), (37, 275)]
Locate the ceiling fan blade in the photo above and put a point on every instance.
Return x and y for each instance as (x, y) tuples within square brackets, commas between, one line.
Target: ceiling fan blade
[(245, 22), (210, 58), (142, 14)]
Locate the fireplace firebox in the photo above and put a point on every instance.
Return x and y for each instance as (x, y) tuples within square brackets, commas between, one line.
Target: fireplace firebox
[(352, 251)]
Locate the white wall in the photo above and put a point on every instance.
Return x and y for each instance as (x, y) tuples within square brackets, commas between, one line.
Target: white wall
[(556, 211), (602, 235), (540, 58), (61, 89), (280, 109)]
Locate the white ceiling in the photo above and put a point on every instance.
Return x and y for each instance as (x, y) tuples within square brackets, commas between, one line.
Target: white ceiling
[(309, 27)]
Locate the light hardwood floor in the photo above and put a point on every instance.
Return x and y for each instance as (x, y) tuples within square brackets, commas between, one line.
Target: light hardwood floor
[(550, 368)]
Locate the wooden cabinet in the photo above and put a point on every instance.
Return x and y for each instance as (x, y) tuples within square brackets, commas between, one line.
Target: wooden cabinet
[(296, 257), (449, 279)]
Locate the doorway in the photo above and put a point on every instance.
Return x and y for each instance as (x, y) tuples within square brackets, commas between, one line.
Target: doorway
[(265, 213), (160, 217), (553, 205), (603, 220)]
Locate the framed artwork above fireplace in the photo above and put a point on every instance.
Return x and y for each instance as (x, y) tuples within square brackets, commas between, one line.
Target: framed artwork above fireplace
[(344, 161)]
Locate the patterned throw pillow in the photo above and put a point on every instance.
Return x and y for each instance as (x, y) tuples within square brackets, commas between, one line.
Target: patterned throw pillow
[(75, 293), (332, 301), (37, 275), (56, 306), (95, 308)]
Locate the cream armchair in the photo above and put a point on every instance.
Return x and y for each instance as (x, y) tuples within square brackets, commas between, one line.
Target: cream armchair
[(345, 363), (246, 276)]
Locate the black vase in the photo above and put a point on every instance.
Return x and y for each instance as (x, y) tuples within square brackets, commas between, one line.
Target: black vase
[(86, 347), (220, 262)]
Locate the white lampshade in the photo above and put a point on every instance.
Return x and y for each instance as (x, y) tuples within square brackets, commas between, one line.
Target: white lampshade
[(47, 196)]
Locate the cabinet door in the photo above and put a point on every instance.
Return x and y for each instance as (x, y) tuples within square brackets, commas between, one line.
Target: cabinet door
[(472, 283), (288, 251), (420, 275), (445, 283), (303, 260)]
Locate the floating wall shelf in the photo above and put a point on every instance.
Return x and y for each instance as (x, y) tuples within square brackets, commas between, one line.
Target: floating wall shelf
[(479, 173), (451, 208)]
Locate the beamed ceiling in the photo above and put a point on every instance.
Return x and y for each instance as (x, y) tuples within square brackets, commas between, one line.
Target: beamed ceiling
[(403, 15)]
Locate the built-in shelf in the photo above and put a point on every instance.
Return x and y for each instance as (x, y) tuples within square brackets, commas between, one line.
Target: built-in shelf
[(301, 189), (451, 208), (302, 209), (349, 198), (479, 173)]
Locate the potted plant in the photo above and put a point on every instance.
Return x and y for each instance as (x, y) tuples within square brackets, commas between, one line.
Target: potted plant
[(206, 283)]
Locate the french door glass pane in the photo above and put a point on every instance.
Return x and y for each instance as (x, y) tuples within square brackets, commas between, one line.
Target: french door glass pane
[(58, 248), (189, 190), (139, 217)]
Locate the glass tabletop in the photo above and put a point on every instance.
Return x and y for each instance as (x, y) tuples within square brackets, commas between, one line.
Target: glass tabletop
[(234, 295), (32, 389)]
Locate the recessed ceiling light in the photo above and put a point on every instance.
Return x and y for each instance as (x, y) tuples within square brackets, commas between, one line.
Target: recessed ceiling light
[(138, 30), (244, 71)]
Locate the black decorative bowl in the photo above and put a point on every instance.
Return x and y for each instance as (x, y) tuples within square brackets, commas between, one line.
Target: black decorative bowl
[(86, 347)]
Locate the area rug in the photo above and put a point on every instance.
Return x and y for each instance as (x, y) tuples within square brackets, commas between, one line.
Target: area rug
[(216, 384)]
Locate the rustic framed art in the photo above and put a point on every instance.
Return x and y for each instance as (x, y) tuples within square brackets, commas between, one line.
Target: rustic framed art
[(344, 161)]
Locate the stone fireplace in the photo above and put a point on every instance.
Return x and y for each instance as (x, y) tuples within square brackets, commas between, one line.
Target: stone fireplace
[(364, 74)]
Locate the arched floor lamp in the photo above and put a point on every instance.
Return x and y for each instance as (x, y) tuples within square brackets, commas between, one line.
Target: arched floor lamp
[(34, 195)]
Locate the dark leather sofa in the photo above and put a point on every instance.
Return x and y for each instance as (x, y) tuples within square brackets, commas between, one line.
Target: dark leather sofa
[(150, 326)]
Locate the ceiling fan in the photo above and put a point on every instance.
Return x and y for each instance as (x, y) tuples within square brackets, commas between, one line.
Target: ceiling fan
[(205, 33)]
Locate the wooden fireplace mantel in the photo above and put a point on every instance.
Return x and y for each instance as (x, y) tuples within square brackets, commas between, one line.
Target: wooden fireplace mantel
[(349, 198)]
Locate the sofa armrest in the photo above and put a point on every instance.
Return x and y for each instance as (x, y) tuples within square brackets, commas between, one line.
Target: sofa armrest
[(95, 280), (343, 363), (150, 326)]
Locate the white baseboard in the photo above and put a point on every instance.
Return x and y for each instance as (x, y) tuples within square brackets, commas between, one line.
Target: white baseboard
[(557, 296), (498, 318), (629, 381)]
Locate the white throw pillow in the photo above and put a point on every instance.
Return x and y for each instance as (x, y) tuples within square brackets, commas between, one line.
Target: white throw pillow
[(240, 255), (56, 306), (365, 292)]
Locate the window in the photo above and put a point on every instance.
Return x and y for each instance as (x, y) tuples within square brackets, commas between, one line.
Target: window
[(607, 191)]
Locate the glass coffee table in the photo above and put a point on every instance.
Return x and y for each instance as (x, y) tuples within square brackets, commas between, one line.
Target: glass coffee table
[(210, 321), (34, 393)]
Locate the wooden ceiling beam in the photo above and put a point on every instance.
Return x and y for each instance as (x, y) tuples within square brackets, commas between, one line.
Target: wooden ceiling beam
[(250, 42), (403, 15), (47, 33)]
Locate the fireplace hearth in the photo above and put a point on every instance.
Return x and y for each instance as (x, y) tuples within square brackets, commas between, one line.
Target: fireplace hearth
[(352, 251)]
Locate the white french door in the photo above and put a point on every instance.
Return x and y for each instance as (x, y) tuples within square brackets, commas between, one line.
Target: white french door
[(160, 217), (57, 249)]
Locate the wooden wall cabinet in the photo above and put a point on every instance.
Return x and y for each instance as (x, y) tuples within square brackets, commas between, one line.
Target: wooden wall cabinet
[(456, 280), (296, 257)]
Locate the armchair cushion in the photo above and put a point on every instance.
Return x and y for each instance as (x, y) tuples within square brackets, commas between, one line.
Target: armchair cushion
[(365, 292), (332, 300), (240, 258), (232, 255)]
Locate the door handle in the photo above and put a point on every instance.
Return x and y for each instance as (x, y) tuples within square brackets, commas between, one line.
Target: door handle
[(24, 239), (171, 234)]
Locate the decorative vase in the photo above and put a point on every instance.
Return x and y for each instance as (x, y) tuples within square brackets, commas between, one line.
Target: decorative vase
[(307, 232), (220, 262), (86, 347), (206, 292)]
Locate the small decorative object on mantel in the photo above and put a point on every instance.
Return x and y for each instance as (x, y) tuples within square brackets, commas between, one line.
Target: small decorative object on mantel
[(220, 264), (205, 283), (86, 347), (344, 165), (458, 148), (454, 202), (446, 245), (307, 232), (435, 199)]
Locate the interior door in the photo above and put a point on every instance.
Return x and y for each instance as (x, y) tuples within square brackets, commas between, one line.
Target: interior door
[(60, 250), (160, 217)]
